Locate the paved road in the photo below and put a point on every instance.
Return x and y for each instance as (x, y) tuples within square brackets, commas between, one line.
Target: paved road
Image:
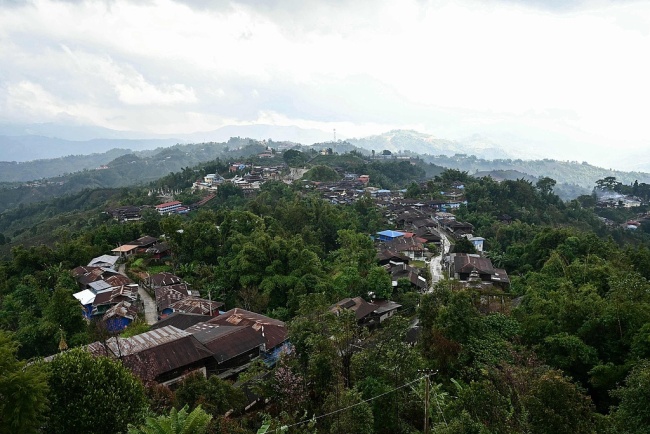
[(150, 311), (436, 262)]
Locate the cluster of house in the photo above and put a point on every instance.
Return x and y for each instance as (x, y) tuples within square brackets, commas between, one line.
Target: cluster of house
[(106, 294), (610, 199), (247, 177), (172, 295), (192, 335), (641, 220)]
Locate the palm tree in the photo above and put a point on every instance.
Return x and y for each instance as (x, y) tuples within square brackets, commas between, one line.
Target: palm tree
[(178, 422)]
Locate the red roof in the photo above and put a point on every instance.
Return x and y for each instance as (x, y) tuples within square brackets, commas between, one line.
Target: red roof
[(166, 204)]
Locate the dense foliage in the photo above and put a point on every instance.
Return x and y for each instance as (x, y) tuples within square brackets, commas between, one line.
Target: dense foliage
[(567, 351)]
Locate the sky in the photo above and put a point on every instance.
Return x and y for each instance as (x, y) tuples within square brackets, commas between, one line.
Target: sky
[(567, 79)]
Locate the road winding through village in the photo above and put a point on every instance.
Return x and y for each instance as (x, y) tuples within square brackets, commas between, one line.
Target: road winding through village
[(150, 311), (435, 264)]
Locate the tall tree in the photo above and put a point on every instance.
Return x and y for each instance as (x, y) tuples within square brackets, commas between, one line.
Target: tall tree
[(92, 394), (23, 391)]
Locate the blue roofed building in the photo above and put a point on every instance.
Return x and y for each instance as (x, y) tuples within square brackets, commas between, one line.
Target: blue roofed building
[(389, 235)]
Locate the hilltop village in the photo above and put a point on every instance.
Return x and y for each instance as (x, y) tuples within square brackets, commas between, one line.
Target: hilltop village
[(256, 293)]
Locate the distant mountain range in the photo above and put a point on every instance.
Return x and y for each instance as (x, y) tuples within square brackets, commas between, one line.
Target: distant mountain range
[(64, 149)]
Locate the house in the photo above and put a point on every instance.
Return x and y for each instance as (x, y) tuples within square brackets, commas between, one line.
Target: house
[(168, 207), (462, 265), (412, 274), (231, 346), (86, 298), (169, 294), (413, 247), (238, 336), (387, 256), (125, 213), (105, 261), (118, 317), (163, 279), (457, 228), (196, 305), (181, 320), (125, 251), (429, 234), (165, 355), (367, 313), (108, 298), (389, 235), (144, 242), (272, 330), (158, 250), (85, 276)]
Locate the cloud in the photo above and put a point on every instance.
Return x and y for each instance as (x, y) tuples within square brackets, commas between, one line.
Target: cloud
[(574, 72)]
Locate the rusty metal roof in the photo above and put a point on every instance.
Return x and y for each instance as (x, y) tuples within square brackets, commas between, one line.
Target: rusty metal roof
[(123, 309), (272, 330), (197, 305), (164, 279), (116, 294), (118, 280), (166, 295), (80, 271), (155, 352), (143, 341)]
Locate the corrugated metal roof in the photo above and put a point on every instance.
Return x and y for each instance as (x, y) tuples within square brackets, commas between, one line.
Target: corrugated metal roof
[(272, 330), (85, 297), (123, 309), (197, 305), (180, 320), (99, 285), (104, 259), (155, 352)]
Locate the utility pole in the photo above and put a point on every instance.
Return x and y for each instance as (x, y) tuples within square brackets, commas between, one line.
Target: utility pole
[(426, 405), (427, 386)]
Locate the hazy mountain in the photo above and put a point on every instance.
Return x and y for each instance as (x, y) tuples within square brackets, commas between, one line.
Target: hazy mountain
[(261, 132), (29, 148), (412, 141), (27, 142)]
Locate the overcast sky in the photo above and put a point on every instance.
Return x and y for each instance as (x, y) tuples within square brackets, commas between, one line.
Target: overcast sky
[(569, 77)]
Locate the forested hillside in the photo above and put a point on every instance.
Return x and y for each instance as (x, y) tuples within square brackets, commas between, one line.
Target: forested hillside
[(566, 351)]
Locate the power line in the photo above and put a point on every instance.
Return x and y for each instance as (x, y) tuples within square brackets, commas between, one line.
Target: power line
[(286, 427)]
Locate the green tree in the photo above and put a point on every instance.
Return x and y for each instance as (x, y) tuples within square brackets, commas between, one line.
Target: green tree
[(321, 173), (633, 413), (357, 418), (545, 185), (556, 405), (92, 394), (23, 391), (464, 246), (177, 422), (294, 158), (379, 283), (214, 394)]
